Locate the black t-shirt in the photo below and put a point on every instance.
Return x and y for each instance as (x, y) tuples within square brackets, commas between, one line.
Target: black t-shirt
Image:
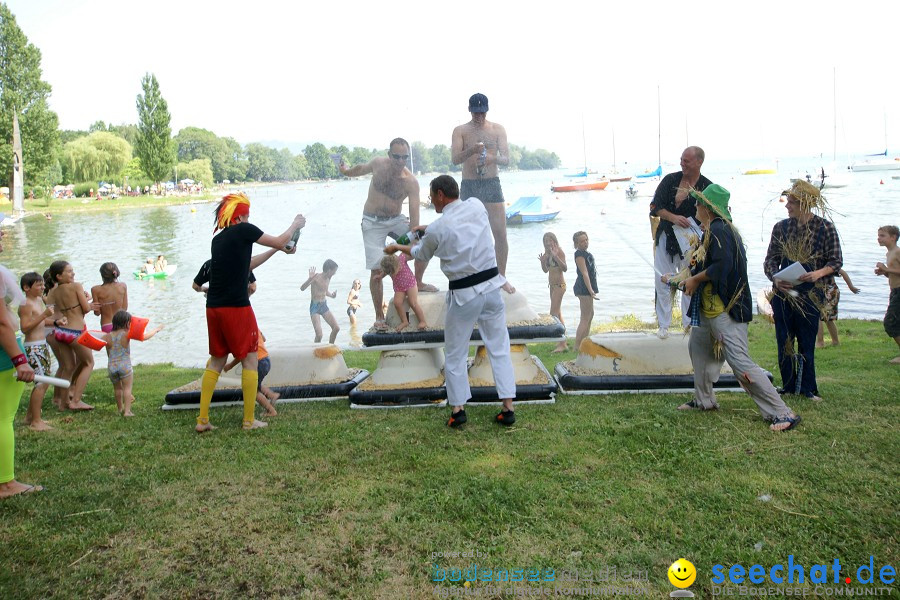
[(229, 267), (203, 275)]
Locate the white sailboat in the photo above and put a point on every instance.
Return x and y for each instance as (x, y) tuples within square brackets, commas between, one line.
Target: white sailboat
[(874, 163)]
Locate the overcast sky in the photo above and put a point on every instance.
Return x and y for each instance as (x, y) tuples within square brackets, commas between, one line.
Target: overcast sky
[(742, 79)]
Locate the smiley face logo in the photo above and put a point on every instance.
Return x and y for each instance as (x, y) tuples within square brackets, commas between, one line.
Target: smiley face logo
[(682, 573)]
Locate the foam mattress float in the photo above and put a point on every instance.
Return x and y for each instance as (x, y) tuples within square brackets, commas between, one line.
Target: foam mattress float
[(522, 322), (403, 378), (635, 362), (300, 374), (534, 384)]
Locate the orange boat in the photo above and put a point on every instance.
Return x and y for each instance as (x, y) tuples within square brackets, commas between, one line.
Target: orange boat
[(580, 186)]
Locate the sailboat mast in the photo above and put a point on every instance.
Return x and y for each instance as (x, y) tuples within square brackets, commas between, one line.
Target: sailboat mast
[(583, 144), (614, 150), (834, 100), (658, 130)]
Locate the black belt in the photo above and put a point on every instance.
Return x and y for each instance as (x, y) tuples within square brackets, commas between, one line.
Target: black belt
[(473, 279)]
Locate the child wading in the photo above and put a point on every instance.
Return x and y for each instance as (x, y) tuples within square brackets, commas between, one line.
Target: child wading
[(318, 306)]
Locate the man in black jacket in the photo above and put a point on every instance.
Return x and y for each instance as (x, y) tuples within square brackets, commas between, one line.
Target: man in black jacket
[(676, 210), (720, 310)]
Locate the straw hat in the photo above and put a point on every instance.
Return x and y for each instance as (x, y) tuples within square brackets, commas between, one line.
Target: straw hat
[(807, 194), (715, 198)]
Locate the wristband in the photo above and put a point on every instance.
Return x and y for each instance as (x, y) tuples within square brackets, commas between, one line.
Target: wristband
[(56, 322), (19, 360)]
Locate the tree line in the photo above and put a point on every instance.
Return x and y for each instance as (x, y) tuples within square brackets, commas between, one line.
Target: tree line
[(148, 152)]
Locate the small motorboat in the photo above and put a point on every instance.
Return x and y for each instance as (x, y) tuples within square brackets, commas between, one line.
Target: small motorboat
[(528, 209), (631, 192), (580, 186)]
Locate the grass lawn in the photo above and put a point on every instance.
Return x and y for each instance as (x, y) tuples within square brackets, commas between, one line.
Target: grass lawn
[(333, 503)]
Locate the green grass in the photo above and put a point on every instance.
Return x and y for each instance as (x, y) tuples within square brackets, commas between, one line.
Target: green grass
[(333, 503), (64, 205)]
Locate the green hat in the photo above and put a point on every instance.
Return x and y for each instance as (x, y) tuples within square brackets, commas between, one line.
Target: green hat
[(715, 198)]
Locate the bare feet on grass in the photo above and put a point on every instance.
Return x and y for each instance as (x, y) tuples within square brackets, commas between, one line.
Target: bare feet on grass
[(14, 488), (256, 424), (204, 427), (39, 425), (79, 405), (895, 361)]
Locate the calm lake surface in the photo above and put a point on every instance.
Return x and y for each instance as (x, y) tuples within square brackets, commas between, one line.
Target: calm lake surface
[(619, 240)]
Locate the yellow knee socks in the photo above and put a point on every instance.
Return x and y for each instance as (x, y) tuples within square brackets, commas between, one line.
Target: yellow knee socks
[(207, 387), (249, 383)]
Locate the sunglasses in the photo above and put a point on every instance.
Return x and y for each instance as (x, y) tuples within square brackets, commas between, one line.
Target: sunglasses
[(399, 156)]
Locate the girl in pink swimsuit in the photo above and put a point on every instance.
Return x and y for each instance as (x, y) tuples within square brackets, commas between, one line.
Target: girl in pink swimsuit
[(405, 288)]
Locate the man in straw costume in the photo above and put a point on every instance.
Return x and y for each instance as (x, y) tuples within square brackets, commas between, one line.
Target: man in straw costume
[(229, 317), (807, 238), (720, 310)]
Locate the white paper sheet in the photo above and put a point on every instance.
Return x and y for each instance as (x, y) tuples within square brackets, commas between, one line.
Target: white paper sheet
[(791, 273)]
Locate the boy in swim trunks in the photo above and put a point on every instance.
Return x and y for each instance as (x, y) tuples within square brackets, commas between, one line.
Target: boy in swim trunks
[(110, 297), (318, 306), (890, 268), (34, 317)]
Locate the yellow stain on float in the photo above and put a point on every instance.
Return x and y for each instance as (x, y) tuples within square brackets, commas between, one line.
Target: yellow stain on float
[(594, 350), (326, 352)]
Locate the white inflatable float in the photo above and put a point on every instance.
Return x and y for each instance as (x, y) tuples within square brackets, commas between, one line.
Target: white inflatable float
[(634, 362), (299, 374), (410, 369)]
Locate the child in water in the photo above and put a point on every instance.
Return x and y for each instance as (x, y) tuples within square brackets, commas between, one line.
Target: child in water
[(119, 351), (553, 262), (318, 306), (109, 297), (405, 288)]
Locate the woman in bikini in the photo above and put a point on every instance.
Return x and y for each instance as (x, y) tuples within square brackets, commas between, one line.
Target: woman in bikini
[(353, 302), (72, 303), (553, 262), (110, 297)]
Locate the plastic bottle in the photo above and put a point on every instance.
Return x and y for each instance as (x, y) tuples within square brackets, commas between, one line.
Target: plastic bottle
[(482, 159)]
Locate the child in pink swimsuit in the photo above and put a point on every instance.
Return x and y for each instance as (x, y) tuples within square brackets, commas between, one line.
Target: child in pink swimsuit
[(405, 287)]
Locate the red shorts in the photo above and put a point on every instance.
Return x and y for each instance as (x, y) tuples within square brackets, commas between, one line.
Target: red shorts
[(232, 330)]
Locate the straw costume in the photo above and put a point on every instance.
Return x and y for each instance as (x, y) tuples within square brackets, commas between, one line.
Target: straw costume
[(720, 310), (230, 320), (811, 240)]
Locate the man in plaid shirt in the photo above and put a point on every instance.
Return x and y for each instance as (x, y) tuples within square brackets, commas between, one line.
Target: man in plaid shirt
[(809, 239)]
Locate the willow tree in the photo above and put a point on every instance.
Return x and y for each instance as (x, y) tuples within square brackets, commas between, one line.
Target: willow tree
[(154, 145), (23, 108)]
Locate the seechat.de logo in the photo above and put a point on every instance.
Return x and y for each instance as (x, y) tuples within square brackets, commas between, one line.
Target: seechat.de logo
[(796, 573)]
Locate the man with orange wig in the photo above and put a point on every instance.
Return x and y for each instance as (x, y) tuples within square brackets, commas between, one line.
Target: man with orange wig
[(229, 317)]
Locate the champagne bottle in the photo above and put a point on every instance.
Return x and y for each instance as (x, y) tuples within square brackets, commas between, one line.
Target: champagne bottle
[(293, 241)]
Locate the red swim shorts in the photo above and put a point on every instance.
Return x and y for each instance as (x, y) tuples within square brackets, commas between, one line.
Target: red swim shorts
[(232, 330)]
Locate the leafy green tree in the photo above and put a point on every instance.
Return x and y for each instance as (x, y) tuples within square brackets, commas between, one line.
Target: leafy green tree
[(97, 126), (421, 158), (359, 156), (440, 159), (154, 142), (128, 132), (236, 164), (285, 166), (319, 160), (101, 155), (262, 162), (67, 135), (199, 169), (194, 143), (301, 167), (23, 97), (133, 170)]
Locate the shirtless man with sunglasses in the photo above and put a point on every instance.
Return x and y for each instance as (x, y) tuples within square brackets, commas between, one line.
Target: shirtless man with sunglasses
[(392, 183)]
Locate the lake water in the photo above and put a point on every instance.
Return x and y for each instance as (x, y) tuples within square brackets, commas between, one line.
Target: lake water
[(619, 240)]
